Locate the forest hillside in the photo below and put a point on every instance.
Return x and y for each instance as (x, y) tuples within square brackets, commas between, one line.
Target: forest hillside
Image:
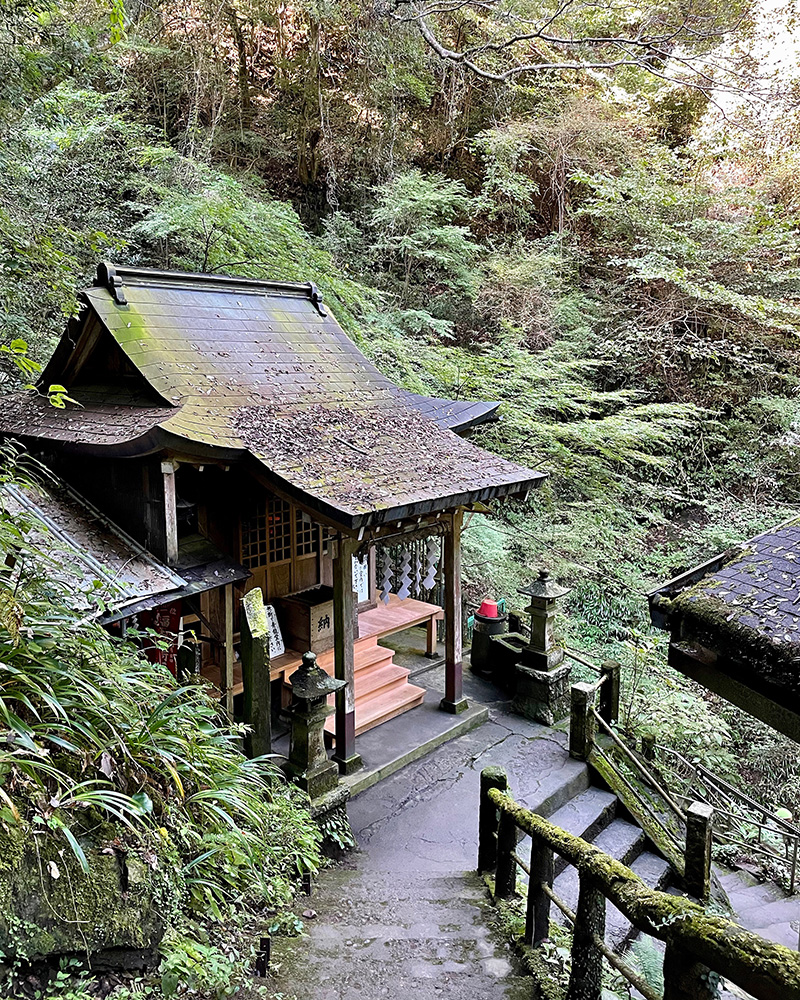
[(572, 209)]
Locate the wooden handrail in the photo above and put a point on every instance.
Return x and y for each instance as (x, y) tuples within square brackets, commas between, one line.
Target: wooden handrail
[(639, 766), (766, 970)]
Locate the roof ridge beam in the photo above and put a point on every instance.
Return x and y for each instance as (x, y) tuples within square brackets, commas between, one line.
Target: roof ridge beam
[(112, 277)]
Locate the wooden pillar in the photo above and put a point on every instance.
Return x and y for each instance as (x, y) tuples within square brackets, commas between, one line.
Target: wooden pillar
[(454, 700), (229, 657), (343, 656), (537, 913), (170, 512), (489, 817), (581, 719), (610, 673), (505, 880), (255, 674), (586, 977)]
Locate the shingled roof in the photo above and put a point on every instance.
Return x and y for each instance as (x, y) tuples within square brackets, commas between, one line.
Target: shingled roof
[(743, 604), (233, 368), (103, 567)]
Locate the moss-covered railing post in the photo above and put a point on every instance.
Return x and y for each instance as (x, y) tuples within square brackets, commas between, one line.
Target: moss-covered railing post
[(608, 708), (581, 720), (489, 817), (537, 914), (700, 947), (697, 870), (586, 977), (505, 881)]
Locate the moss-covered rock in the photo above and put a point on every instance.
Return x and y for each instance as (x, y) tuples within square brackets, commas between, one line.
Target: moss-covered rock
[(50, 906)]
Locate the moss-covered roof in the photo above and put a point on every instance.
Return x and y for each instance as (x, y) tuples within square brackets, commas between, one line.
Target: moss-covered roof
[(746, 605), (228, 366)]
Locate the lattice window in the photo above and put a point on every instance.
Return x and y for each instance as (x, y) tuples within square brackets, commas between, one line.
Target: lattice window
[(255, 536), (306, 535), (267, 532), (280, 530)]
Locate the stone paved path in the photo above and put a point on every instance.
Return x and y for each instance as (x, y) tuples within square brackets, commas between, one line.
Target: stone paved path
[(407, 916), (763, 907)]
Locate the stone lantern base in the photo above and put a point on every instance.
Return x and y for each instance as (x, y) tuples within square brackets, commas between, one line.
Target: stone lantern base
[(542, 695)]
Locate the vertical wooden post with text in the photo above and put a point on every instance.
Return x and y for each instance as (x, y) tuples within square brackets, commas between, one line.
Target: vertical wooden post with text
[(454, 700), (344, 657), (255, 674)]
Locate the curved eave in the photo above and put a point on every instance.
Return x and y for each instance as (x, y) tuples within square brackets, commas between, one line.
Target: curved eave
[(360, 521)]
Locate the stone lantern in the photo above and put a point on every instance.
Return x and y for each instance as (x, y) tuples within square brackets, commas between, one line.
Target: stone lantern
[(541, 677), (308, 765), (544, 592)]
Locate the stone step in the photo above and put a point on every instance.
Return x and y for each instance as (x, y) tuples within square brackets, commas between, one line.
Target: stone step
[(655, 872), (553, 787), (584, 816), (621, 839)]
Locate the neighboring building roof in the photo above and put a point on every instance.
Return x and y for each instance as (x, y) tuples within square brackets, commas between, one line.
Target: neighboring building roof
[(735, 625), (101, 564), (229, 366), (455, 414), (749, 597)]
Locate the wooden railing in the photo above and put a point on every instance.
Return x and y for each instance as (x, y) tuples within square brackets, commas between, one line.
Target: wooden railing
[(700, 948), (774, 839), (595, 709)]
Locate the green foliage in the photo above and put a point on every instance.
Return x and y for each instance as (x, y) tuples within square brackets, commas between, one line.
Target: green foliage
[(650, 962), (415, 240), (97, 731), (197, 966)]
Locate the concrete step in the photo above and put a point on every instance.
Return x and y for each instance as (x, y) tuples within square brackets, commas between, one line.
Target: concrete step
[(621, 839), (655, 872), (584, 816)]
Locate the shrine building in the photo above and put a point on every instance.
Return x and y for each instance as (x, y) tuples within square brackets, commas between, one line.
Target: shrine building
[(227, 435)]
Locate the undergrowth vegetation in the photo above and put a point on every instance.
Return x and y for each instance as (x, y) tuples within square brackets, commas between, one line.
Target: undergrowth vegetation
[(105, 753)]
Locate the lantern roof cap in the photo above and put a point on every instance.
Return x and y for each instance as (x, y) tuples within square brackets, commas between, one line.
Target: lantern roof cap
[(544, 587), (310, 680)]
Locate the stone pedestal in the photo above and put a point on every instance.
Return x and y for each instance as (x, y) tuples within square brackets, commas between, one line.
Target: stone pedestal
[(542, 695)]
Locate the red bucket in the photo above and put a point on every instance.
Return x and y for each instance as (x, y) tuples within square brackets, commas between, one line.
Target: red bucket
[(488, 609)]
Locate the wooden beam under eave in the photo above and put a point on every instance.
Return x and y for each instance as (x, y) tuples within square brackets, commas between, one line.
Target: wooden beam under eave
[(454, 700), (345, 753)]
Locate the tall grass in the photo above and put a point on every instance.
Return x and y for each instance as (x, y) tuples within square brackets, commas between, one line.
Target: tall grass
[(94, 731)]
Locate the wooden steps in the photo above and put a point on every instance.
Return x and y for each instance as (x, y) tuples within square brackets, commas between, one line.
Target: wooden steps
[(382, 689)]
